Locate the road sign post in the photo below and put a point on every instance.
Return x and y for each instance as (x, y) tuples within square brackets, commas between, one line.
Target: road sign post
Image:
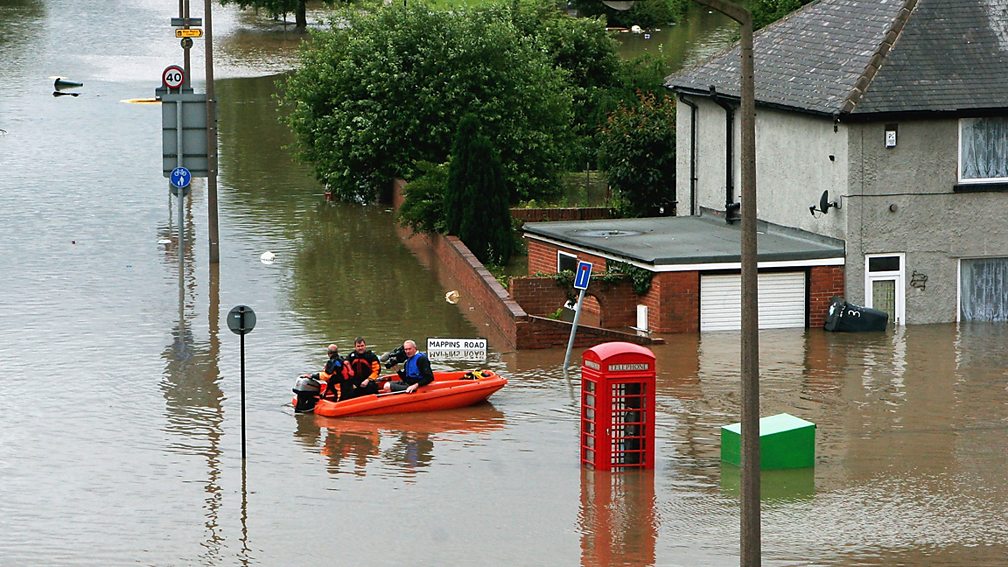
[(581, 278), (180, 177), (241, 320), (173, 77)]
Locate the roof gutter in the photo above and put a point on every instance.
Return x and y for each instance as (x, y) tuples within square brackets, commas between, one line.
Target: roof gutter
[(692, 152), (731, 207)]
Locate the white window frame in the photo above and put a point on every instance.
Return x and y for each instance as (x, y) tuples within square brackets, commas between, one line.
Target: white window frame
[(898, 276), (569, 255), (959, 160), (959, 282)]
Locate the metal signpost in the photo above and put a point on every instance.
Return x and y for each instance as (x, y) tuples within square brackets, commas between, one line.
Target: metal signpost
[(581, 278), (241, 320), (187, 140), (180, 178)]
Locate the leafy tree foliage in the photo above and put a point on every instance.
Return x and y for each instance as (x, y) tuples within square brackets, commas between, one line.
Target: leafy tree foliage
[(423, 208), (583, 50), (385, 91), (638, 153), (476, 197), (766, 12)]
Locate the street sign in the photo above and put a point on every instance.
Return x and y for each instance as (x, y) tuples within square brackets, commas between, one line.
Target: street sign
[(582, 275), (180, 177), (241, 320), (173, 76), (194, 132), (181, 22), (189, 32), (457, 349)]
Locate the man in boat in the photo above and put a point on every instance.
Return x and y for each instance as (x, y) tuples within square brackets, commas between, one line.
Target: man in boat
[(365, 367), (336, 371), (416, 371)]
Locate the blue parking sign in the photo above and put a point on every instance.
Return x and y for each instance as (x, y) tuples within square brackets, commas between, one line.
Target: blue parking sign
[(582, 275)]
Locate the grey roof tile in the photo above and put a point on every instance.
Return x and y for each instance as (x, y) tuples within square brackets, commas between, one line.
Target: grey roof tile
[(907, 55)]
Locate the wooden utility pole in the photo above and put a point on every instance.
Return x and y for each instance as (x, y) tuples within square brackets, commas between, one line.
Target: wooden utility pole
[(750, 497), (211, 109)]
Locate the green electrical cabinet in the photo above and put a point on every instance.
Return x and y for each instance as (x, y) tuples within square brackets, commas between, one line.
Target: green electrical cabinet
[(786, 442)]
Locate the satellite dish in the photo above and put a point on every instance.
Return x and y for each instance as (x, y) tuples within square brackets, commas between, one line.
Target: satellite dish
[(621, 5), (824, 204)]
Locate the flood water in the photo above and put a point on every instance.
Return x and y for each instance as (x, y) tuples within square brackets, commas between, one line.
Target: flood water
[(120, 435)]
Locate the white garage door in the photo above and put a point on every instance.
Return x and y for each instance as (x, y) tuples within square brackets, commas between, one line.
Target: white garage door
[(781, 301)]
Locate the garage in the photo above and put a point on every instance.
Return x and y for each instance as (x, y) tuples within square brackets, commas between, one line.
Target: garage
[(781, 301)]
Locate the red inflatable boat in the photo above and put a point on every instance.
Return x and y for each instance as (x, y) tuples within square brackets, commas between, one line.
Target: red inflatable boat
[(448, 390)]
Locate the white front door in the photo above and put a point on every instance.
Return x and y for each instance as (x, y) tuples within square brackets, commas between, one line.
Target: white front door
[(884, 285)]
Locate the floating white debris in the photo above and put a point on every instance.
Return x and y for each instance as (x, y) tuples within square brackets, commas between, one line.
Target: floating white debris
[(452, 297), (267, 257), (164, 241)]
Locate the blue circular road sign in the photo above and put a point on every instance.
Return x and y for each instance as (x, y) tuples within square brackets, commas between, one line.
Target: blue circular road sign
[(180, 177)]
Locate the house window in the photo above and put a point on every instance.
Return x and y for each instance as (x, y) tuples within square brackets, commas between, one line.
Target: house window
[(566, 261), (983, 289), (884, 289), (983, 150)]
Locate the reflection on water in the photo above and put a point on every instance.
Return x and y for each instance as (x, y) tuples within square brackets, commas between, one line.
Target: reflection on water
[(702, 34), (194, 401), (784, 485), (399, 445), (617, 519)]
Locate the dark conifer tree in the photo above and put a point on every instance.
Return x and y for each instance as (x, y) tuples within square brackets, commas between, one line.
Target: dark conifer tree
[(477, 207)]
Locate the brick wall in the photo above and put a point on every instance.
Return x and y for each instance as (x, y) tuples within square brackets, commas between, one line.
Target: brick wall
[(675, 297), (537, 296), (540, 332), (824, 283), (542, 257), (507, 324), (456, 268), (612, 305)]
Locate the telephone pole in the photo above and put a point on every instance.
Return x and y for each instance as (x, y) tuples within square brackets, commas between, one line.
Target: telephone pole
[(750, 483), (211, 120)]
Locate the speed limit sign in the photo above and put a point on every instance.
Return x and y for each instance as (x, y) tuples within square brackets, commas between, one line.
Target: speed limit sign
[(173, 76)]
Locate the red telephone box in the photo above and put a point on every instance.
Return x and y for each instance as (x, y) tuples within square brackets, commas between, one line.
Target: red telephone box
[(618, 407)]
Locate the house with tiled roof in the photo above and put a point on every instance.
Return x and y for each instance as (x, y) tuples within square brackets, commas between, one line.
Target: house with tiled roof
[(882, 124)]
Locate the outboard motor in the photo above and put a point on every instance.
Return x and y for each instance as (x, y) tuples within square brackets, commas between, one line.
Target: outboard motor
[(306, 390)]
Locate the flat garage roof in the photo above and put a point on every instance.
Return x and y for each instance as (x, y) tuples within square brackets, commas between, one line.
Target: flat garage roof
[(677, 242)]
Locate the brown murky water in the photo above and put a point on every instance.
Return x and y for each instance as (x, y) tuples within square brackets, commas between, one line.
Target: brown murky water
[(120, 439)]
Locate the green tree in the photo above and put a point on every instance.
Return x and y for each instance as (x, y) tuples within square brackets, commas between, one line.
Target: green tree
[(476, 197), (386, 90), (423, 208), (588, 56), (638, 154), (766, 12)]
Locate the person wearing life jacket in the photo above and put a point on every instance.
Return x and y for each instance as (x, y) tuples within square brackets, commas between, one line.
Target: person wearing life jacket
[(336, 371), (416, 371), (365, 367)]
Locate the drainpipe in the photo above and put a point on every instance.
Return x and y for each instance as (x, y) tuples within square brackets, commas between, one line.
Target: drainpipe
[(731, 207), (692, 153)]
